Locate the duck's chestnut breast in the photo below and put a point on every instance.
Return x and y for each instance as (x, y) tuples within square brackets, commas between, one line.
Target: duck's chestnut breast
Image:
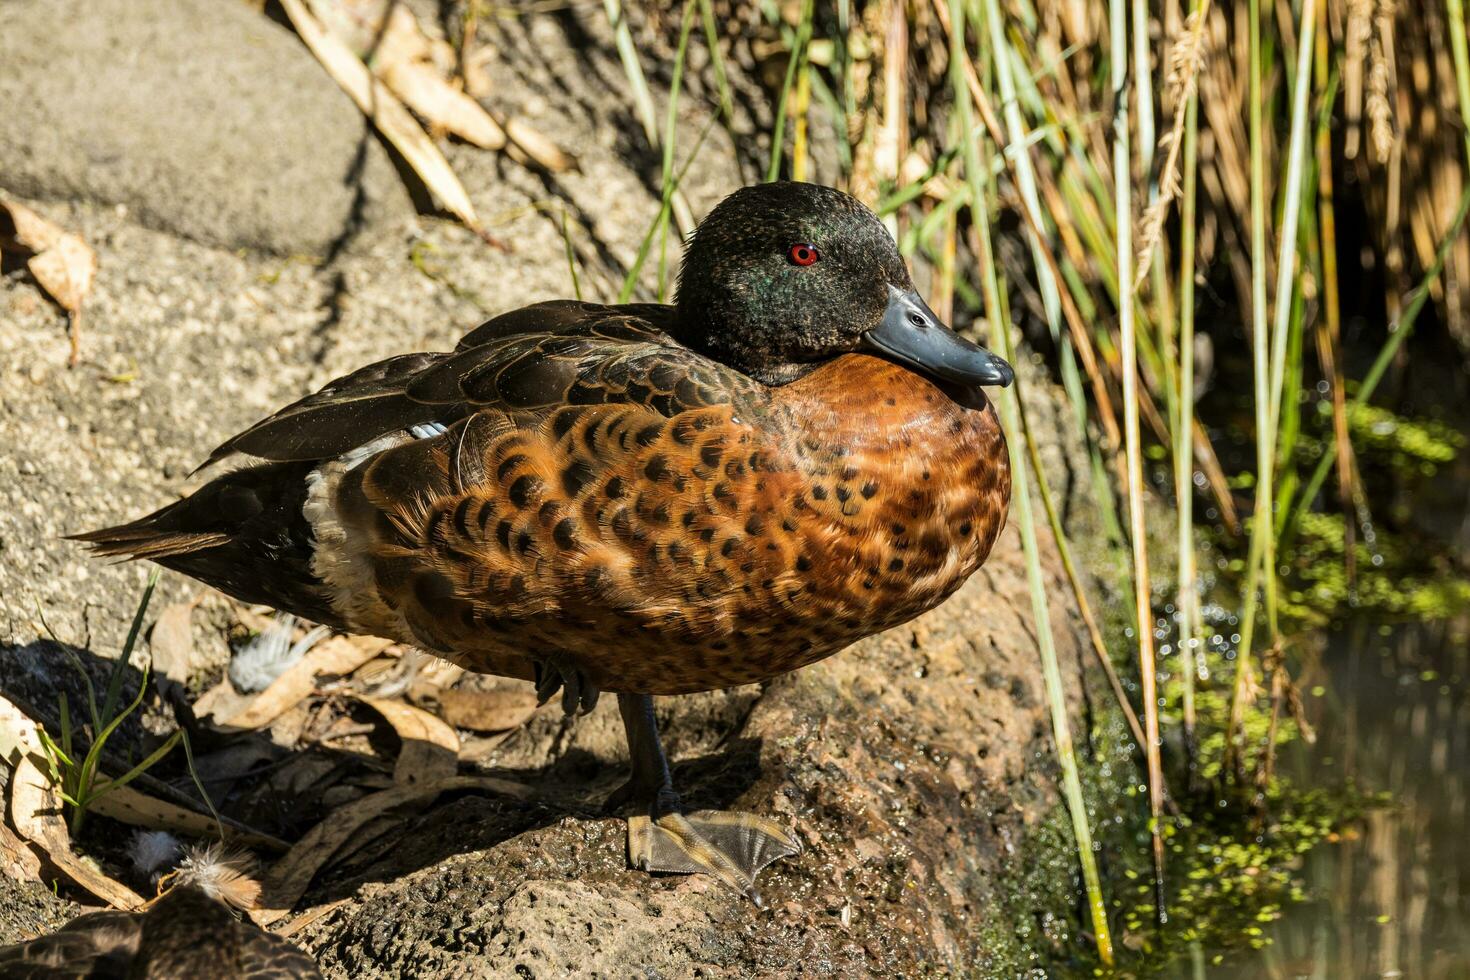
[(904, 488)]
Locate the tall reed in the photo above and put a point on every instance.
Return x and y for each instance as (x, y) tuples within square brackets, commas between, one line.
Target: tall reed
[(1188, 603), (1128, 341), (976, 174), (1262, 561)]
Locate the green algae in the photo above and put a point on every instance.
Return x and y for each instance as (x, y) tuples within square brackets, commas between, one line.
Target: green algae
[(1233, 867), (1396, 579)]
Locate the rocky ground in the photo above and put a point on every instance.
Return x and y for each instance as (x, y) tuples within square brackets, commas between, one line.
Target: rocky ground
[(255, 240)]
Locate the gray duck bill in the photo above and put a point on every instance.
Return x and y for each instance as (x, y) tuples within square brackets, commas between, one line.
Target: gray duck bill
[(911, 334)]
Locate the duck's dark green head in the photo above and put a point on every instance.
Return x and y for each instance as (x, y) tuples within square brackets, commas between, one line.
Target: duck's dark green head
[(781, 277)]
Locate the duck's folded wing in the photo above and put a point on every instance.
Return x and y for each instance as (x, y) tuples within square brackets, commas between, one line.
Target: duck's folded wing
[(583, 354), (349, 411)]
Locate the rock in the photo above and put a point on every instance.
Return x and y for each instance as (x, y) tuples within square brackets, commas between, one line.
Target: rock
[(201, 116)]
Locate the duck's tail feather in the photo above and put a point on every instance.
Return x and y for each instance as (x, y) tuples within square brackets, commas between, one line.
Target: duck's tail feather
[(243, 532), (144, 538)]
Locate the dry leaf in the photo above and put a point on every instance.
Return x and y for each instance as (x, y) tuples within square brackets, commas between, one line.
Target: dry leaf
[(32, 233), (337, 655), (372, 830), (495, 710), (35, 810), (430, 747), (17, 860), (394, 121), (172, 642), (127, 805), (61, 262), (17, 734), (289, 879)]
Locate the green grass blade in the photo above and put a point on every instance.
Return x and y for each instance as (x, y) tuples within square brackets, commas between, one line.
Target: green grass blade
[(670, 129), (630, 281), (1188, 599), (219, 824), (1286, 276), (152, 760), (633, 69), (717, 61), (120, 667), (1456, 10), (566, 238), (793, 64), (1133, 449)]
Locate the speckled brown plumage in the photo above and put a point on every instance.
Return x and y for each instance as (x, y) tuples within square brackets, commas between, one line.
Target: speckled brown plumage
[(667, 554)]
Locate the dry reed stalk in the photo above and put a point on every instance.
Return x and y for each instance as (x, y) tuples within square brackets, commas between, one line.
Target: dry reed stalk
[(1186, 61), (1381, 74), (1143, 612), (1329, 327), (892, 144), (1359, 31)]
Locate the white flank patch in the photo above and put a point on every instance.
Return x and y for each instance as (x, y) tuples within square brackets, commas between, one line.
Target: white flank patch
[(340, 558)]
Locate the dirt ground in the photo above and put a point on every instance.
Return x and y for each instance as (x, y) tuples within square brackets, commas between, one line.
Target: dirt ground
[(236, 273)]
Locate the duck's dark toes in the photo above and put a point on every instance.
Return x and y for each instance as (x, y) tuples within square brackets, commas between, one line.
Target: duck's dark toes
[(558, 673), (733, 847)]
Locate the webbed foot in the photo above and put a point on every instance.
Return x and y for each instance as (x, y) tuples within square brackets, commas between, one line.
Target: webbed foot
[(556, 672), (733, 847)]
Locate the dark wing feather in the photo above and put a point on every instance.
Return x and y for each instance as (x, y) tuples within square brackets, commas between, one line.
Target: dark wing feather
[(534, 358), (346, 413), (267, 957), (560, 316)]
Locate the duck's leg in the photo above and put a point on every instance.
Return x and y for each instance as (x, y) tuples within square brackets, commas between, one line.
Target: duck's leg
[(733, 847)]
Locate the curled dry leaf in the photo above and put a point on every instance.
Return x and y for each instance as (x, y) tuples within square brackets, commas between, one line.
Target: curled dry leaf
[(430, 747), (495, 710), (36, 809), (61, 262), (172, 642), (288, 880), (337, 655)]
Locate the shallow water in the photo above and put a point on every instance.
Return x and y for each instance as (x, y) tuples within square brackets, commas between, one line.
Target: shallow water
[(1391, 896)]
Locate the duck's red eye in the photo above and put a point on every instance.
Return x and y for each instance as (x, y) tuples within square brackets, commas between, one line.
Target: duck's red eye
[(803, 254)]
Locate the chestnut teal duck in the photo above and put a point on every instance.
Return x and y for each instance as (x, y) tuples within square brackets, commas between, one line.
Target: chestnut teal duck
[(642, 499)]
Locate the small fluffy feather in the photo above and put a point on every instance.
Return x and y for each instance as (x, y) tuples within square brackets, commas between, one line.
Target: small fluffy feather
[(223, 875), (266, 656), (151, 850)]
